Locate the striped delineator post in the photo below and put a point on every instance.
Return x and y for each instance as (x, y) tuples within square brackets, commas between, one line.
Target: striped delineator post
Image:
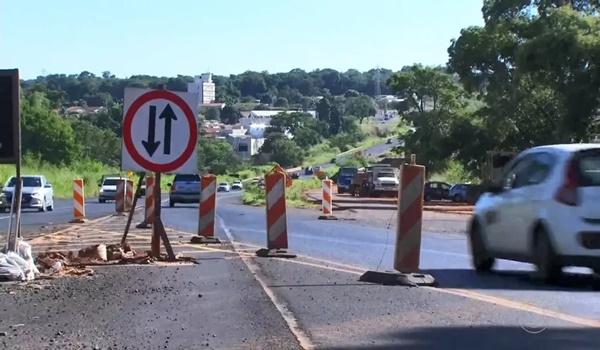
[(129, 193), (410, 218), (408, 232), (277, 235), (327, 201), (120, 198), (78, 202), (148, 204), (207, 211)]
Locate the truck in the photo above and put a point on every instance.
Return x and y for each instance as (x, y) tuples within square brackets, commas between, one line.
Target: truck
[(376, 181), (344, 179)]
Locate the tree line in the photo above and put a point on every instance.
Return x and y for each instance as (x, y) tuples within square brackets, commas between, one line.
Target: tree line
[(296, 87), (59, 139), (529, 76)]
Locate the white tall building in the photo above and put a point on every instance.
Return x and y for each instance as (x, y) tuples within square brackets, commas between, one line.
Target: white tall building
[(203, 86)]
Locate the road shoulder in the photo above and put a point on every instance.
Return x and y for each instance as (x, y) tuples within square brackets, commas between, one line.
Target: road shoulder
[(217, 304)]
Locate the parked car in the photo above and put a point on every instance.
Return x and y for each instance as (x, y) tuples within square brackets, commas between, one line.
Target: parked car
[(458, 193), (108, 188), (184, 189), (309, 170), (37, 193), (237, 185), (543, 210), (295, 175), (223, 187), (436, 190)]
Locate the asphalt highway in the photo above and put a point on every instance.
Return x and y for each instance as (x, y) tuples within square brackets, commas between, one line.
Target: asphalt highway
[(233, 300), (445, 256)]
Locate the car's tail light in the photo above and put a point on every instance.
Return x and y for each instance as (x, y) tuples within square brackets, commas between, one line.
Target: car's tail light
[(567, 192)]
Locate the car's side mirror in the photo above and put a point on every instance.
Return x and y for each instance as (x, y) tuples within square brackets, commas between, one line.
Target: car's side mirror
[(169, 184), (48, 186)]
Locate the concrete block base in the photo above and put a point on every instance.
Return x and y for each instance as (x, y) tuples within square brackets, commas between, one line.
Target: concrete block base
[(205, 240), (393, 278), (274, 253)]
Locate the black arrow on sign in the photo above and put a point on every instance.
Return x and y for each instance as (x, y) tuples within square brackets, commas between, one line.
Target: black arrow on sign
[(168, 115), (151, 145)]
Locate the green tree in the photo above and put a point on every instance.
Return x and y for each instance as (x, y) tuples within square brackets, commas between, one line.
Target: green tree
[(281, 150), (212, 113), (230, 115), (361, 107), (281, 102), (45, 134), (216, 156)]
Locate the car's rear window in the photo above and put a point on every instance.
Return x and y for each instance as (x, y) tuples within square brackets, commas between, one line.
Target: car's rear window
[(187, 178), (589, 168), (348, 171), (110, 182), (386, 175), (223, 184)]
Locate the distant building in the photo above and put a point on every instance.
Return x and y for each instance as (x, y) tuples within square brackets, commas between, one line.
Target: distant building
[(79, 110), (204, 87), (245, 146), (206, 106), (264, 117)]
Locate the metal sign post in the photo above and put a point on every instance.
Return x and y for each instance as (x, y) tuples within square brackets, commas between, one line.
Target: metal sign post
[(10, 142)]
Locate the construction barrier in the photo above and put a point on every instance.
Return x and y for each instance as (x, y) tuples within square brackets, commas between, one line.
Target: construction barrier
[(207, 211), (129, 193), (120, 197), (327, 201), (408, 232), (148, 204), (277, 235), (410, 216), (78, 202)]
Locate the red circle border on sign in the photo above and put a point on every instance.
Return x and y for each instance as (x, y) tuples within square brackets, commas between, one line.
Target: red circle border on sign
[(128, 123)]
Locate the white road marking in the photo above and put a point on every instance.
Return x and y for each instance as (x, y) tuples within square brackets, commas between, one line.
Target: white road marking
[(284, 310)]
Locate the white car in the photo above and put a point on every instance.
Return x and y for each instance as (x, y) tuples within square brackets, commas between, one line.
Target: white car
[(223, 187), (37, 193), (544, 210), (237, 185)]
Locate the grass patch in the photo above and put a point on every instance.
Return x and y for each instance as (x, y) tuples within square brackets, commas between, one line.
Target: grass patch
[(255, 196)]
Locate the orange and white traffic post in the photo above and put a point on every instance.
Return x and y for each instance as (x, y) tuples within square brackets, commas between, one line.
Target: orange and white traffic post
[(120, 198), (327, 201), (207, 211), (78, 202), (148, 204), (407, 250), (129, 193), (277, 232)]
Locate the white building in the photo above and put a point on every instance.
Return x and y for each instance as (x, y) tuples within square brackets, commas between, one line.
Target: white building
[(245, 146), (264, 117), (203, 86)]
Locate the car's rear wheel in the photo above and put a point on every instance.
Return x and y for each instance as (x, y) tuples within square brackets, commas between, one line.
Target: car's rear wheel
[(544, 258), (481, 260), (457, 198), (51, 206)]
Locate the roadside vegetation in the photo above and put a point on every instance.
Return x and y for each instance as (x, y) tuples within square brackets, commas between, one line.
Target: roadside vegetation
[(527, 77), (294, 195)]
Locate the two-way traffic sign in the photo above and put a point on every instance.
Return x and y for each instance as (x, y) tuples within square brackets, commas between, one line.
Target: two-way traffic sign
[(160, 131)]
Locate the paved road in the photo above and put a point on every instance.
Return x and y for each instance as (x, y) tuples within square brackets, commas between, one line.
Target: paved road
[(373, 151), (63, 213), (235, 301), (445, 256)]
